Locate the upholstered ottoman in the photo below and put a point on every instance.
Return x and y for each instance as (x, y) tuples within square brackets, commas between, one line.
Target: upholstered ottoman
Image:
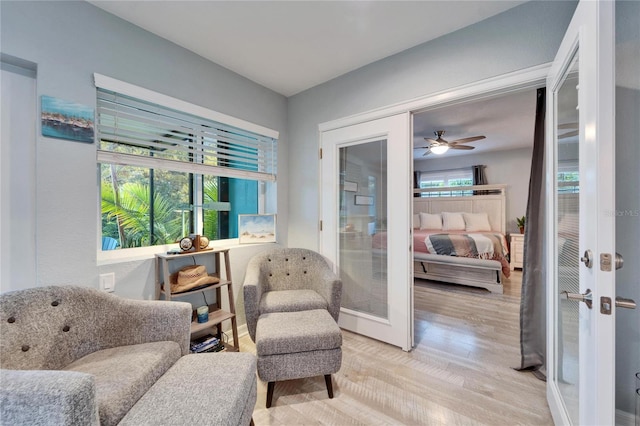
[(295, 345), (206, 389)]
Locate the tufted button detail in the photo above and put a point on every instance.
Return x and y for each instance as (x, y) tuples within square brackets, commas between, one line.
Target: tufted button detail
[(55, 303), (305, 272), (66, 328), (304, 257), (270, 275), (269, 259), (25, 348), (287, 274), (11, 320)]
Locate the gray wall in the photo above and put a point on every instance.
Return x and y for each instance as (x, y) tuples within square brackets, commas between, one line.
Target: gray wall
[(522, 37), (69, 41), (511, 167)]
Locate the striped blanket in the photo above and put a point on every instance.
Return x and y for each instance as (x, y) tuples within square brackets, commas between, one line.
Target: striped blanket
[(478, 246)]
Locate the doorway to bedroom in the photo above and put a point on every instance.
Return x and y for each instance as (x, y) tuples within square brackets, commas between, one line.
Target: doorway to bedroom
[(489, 142)]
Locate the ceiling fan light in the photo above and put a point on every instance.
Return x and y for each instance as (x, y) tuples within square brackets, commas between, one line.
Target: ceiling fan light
[(440, 149)]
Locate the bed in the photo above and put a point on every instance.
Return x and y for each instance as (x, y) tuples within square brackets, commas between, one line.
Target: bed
[(472, 253)]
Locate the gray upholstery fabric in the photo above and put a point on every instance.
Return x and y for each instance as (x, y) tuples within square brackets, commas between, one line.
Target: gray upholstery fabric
[(298, 365), (206, 389), (52, 328), (32, 397), (124, 374), (288, 332), (294, 345), (288, 269), (96, 320), (291, 301)]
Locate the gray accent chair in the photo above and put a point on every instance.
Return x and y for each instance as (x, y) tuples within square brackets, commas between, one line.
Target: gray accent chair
[(292, 303), (78, 356)]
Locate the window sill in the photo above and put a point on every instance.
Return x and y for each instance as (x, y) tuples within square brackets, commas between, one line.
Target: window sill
[(110, 257)]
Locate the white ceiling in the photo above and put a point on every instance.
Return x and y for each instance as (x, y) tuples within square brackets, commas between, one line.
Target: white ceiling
[(290, 46)]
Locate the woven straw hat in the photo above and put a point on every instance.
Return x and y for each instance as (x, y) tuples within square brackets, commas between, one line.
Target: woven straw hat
[(191, 278)]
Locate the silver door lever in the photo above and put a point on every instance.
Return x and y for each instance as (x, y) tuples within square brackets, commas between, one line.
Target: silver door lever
[(586, 297)]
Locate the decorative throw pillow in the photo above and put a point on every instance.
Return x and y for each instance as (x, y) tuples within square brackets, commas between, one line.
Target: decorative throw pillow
[(416, 221), (453, 222), (430, 221), (476, 222)]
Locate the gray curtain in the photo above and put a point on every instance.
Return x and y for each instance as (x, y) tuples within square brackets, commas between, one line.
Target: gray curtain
[(533, 299), (479, 178)]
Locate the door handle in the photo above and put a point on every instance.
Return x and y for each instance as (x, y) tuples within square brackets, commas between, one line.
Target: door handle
[(586, 297), (621, 302)]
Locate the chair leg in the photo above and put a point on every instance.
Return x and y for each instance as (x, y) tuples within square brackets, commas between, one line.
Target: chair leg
[(327, 380), (252, 423), (270, 387)]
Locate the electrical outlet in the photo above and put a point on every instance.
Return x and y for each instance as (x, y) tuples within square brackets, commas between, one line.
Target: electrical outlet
[(108, 282)]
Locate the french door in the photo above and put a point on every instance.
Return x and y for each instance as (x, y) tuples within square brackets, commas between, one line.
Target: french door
[(365, 210), (581, 300)]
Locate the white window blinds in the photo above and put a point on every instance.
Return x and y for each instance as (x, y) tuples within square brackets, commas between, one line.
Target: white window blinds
[(164, 133)]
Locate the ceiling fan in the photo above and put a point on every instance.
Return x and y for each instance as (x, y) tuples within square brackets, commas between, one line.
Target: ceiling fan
[(440, 146)]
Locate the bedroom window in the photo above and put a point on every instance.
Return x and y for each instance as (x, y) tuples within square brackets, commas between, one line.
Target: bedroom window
[(446, 178), (169, 169)]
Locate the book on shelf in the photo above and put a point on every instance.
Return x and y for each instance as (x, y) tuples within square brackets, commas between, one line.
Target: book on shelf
[(205, 343)]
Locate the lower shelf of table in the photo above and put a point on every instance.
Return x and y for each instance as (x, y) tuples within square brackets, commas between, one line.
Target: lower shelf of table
[(215, 318)]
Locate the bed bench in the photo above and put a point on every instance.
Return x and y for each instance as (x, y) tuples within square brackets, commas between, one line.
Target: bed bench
[(475, 272)]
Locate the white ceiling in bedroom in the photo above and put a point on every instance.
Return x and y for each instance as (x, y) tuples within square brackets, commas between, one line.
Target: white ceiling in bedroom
[(507, 121)]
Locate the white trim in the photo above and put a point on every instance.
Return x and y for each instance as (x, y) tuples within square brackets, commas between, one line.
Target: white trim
[(128, 89), (516, 80)]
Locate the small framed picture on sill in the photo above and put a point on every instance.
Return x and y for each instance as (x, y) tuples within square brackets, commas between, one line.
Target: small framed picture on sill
[(256, 228)]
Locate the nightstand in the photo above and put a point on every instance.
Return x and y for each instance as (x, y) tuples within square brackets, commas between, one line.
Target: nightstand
[(517, 251)]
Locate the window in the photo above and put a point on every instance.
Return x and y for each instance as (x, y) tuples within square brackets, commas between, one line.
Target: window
[(169, 169), (568, 177), (446, 178)]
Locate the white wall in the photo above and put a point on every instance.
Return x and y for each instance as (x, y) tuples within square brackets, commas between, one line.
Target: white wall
[(18, 179), (521, 37), (71, 40), (511, 167)]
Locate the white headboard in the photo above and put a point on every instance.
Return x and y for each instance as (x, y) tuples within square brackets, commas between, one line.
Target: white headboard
[(494, 203)]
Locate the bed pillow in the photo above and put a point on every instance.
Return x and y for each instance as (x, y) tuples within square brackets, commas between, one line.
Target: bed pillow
[(416, 221), (430, 221), (476, 222), (453, 222)]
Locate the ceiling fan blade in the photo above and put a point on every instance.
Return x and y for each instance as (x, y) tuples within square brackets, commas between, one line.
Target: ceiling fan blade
[(427, 152), (467, 140), (568, 126), (461, 147), (431, 140)]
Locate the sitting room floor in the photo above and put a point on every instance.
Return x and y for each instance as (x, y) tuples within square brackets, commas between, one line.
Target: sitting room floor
[(459, 373)]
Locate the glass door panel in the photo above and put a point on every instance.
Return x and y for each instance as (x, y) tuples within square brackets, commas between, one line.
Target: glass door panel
[(567, 237), (362, 227)]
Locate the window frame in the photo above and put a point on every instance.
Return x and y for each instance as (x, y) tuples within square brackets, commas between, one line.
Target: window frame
[(104, 157)]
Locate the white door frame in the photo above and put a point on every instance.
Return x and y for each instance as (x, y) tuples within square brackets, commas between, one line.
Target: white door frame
[(527, 78), (591, 33)]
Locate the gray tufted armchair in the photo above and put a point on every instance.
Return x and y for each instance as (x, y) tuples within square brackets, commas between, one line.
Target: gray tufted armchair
[(289, 280)]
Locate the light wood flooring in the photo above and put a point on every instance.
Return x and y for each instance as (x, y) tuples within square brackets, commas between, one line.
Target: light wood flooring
[(459, 373)]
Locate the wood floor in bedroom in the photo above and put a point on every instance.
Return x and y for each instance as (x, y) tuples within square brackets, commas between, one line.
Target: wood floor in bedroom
[(459, 373)]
